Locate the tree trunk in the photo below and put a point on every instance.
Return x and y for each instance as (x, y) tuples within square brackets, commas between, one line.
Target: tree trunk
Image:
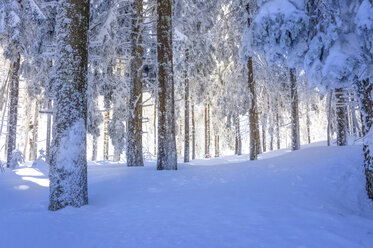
[(207, 131), (13, 109), (277, 109), (186, 108), (27, 129), (295, 137), (341, 117), (253, 114), (193, 135), (49, 128), (34, 148), (238, 142), (155, 127), (364, 89), (68, 168), (94, 148), (106, 135), (308, 123), (167, 156), (217, 147), (329, 109), (134, 138)]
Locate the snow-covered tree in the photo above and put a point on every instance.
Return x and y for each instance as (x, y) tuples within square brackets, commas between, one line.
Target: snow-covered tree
[(68, 165)]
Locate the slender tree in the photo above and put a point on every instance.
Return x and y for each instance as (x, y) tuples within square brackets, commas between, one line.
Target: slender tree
[(186, 109), (295, 137)]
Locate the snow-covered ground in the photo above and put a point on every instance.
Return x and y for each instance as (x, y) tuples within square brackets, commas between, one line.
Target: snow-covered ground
[(314, 197)]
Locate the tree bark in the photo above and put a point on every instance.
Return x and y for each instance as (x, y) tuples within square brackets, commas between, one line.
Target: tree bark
[(217, 146), (308, 123), (295, 137), (341, 110), (34, 148), (253, 114), (13, 109), (186, 109), (68, 167), (134, 138), (49, 128), (329, 109), (193, 135), (167, 155), (207, 131), (277, 109), (364, 89), (238, 142)]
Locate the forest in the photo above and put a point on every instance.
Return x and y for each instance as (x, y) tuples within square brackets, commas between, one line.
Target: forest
[(189, 123)]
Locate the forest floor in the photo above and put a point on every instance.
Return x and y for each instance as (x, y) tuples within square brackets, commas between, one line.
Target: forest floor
[(314, 197)]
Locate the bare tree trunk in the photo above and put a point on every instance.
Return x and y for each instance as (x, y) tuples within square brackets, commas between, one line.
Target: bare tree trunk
[(34, 153), (94, 148), (277, 109), (308, 123), (167, 156), (155, 128), (253, 114), (238, 143), (13, 109), (68, 167), (329, 109), (207, 131), (217, 147), (27, 129), (341, 117), (193, 135), (186, 109), (106, 135), (364, 89), (134, 140), (295, 137), (49, 128)]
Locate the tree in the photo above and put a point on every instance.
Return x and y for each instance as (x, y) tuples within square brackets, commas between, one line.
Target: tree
[(167, 156), (68, 165), (134, 122)]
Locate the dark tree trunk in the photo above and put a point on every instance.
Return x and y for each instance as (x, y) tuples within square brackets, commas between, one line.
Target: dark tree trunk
[(134, 139), (68, 167), (167, 156), (253, 114), (341, 110), (13, 109), (186, 108), (295, 137), (364, 89)]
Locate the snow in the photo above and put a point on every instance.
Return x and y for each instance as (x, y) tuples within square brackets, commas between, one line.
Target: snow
[(314, 197)]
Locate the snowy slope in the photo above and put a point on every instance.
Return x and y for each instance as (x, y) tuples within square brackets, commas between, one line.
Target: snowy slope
[(314, 197)]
